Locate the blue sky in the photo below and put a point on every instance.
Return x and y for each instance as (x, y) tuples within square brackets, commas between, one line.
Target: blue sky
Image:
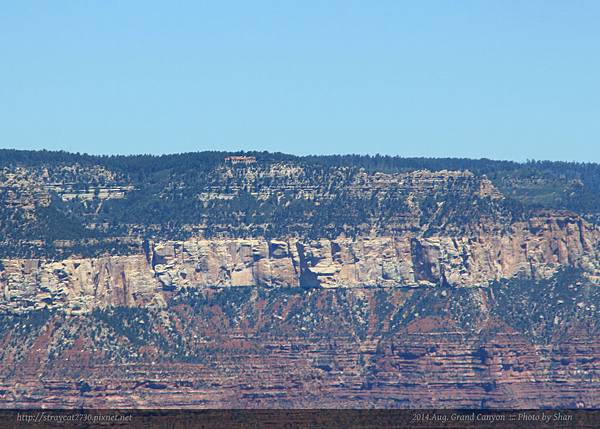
[(497, 79)]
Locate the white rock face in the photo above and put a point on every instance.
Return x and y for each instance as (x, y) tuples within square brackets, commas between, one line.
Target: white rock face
[(534, 249)]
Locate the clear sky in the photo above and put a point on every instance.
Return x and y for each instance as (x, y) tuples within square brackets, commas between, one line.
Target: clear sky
[(497, 79)]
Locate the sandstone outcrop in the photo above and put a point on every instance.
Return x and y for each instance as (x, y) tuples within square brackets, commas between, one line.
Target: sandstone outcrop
[(535, 249)]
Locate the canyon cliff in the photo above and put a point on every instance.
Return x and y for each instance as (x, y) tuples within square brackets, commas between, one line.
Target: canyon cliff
[(267, 280), (533, 249)]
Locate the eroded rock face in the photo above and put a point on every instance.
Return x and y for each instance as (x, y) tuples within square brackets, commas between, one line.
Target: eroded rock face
[(533, 249), (78, 284), (449, 294)]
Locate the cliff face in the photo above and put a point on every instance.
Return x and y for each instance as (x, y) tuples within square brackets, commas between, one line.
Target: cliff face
[(535, 249)]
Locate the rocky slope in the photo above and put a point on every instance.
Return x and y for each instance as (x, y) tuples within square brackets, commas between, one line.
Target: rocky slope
[(514, 344)]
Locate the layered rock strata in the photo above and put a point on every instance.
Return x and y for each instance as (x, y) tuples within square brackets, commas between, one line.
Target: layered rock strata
[(359, 348)]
